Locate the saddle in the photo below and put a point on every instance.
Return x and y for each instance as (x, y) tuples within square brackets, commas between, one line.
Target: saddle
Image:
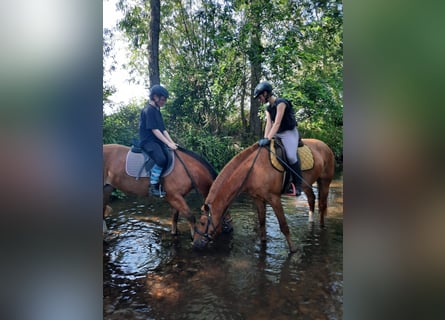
[(278, 155), (279, 161), (139, 164)]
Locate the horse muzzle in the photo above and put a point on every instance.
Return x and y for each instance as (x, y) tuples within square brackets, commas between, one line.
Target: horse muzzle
[(201, 239), (200, 243)]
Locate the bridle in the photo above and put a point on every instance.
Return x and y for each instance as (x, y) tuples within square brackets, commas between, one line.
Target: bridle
[(206, 234)]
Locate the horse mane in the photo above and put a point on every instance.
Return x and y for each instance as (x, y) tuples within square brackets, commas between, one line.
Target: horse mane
[(199, 158), (233, 164)]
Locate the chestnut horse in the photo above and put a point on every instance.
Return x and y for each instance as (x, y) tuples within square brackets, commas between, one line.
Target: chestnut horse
[(251, 171), (190, 171)]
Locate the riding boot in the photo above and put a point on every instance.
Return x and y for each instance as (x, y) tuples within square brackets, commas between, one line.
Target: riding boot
[(296, 177), (156, 190), (155, 187)]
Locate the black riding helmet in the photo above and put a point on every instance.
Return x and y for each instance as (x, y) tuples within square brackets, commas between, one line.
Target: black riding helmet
[(261, 87), (158, 90)]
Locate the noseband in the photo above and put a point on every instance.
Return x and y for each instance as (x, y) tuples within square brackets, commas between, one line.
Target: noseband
[(206, 234)]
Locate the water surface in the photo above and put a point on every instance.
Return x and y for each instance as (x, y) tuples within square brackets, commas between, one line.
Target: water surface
[(148, 274)]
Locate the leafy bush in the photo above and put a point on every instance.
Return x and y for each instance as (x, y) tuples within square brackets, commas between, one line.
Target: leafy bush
[(123, 126), (217, 150)]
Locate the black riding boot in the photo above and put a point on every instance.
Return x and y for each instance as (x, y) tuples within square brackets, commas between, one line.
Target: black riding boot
[(296, 177), (156, 190)]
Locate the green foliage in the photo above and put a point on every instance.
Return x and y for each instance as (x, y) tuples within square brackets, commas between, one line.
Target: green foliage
[(122, 126), (331, 135), (117, 194), (306, 64), (200, 62), (216, 149), (319, 113), (206, 57)]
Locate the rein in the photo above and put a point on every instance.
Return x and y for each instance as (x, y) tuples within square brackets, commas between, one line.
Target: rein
[(188, 173), (209, 216), (287, 166)]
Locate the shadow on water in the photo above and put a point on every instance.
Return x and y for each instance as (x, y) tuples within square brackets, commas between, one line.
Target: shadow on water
[(148, 274)]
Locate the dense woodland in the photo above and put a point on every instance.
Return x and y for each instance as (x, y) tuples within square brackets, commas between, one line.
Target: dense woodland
[(210, 57)]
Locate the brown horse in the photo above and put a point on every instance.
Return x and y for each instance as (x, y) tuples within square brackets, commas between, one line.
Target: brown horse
[(251, 171), (190, 171)]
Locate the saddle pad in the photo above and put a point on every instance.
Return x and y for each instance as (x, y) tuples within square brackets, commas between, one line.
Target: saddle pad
[(304, 153), (306, 158), (273, 157), (134, 165)]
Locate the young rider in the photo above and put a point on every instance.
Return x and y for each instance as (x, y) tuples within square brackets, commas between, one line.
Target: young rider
[(280, 122), (154, 136)]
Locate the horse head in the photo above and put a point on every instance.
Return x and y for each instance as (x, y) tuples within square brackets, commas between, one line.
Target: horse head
[(205, 229), (208, 227)]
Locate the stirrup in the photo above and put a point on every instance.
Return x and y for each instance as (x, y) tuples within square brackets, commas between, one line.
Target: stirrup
[(156, 190), (293, 190)]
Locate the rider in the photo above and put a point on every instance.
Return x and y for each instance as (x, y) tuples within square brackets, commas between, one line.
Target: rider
[(280, 122), (154, 137)]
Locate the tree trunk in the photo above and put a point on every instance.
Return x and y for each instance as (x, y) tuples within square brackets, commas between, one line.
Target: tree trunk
[(243, 98), (255, 69), (153, 42), (255, 122)]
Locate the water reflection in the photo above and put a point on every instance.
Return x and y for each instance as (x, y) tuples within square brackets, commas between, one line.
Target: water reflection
[(150, 275)]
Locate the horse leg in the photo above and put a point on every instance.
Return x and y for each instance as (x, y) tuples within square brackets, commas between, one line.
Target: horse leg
[(175, 217), (311, 201), (108, 189), (323, 191), (279, 212), (180, 206), (261, 209)]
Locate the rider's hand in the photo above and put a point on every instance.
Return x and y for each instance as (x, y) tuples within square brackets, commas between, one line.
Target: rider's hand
[(263, 142)]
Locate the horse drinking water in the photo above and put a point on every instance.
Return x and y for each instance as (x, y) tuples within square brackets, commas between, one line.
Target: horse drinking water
[(189, 171), (251, 171)]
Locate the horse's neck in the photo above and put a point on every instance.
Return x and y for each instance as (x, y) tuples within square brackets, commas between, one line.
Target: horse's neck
[(229, 184), (223, 196)]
